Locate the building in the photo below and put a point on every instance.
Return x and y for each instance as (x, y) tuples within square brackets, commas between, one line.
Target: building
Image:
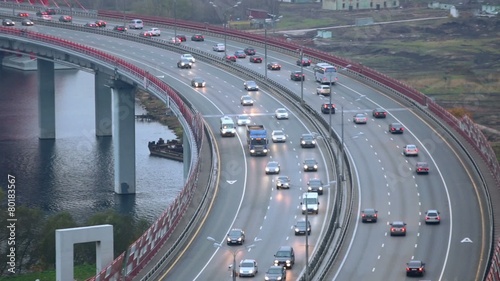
[(349, 5)]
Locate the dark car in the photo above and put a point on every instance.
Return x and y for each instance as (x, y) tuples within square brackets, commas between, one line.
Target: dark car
[(235, 236), (50, 11), (422, 168), (275, 273), (23, 15), (302, 227), (147, 34), (398, 228), (65, 18), (198, 37), (184, 63), (379, 113), (304, 62), (310, 165), (250, 85), (240, 54), (181, 37), (120, 28), (284, 257), (255, 59), (272, 167), (91, 24), (328, 108), (396, 128), (297, 76), (307, 140), (8, 22), (100, 23), (250, 51), (282, 182), (415, 268), (369, 215), (315, 185), (273, 66), (198, 82), (27, 22), (230, 58)]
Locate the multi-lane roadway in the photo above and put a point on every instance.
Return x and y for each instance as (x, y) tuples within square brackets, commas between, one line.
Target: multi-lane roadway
[(247, 198)]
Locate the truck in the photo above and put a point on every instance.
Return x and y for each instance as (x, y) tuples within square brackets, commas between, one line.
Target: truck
[(257, 140), (227, 128)]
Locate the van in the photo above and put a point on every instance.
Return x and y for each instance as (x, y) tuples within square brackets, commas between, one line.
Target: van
[(285, 256), (227, 127), (310, 202), (136, 24)]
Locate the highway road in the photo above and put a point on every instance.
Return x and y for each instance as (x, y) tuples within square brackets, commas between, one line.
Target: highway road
[(388, 181)]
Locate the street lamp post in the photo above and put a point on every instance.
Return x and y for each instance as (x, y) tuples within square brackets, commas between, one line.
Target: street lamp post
[(342, 147), (302, 73), (225, 21), (265, 50), (330, 108), (175, 20), (307, 244)]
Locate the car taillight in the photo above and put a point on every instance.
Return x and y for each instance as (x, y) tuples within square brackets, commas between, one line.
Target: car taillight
[(420, 269), (393, 229), (363, 215), (408, 269), (375, 215), (427, 218)]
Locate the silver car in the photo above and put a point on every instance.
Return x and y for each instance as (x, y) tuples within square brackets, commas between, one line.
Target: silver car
[(278, 136), (248, 267), (432, 216), (410, 150), (281, 113), (272, 167), (250, 86), (360, 118), (243, 120), (246, 100), (323, 90)]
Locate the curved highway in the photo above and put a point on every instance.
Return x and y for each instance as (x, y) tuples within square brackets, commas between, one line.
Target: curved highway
[(387, 180)]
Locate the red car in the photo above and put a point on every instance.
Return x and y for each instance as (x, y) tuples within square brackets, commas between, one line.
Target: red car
[(422, 168), (100, 23), (255, 59), (23, 15), (91, 24), (297, 76), (197, 37), (304, 62), (230, 58)]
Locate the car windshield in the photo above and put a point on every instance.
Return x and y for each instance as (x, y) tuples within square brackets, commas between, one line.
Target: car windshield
[(247, 264), (315, 182), (414, 264), (276, 270), (281, 110), (272, 164), (307, 137), (398, 224), (411, 147), (360, 115), (310, 162), (243, 117), (432, 213), (283, 179), (310, 201), (251, 83), (235, 233), (277, 133), (369, 212), (282, 254), (301, 224)]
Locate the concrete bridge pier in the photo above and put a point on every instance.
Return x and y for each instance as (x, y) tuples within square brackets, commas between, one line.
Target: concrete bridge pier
[(46, 100), (123, 136), (103, 119)]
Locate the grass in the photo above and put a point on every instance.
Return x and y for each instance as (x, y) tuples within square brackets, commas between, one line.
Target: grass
[(81, 273)]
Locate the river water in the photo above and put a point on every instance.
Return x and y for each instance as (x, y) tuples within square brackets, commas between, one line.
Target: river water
[(74, 172)]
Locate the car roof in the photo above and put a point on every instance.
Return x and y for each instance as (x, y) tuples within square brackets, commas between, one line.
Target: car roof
[(415, 262), (369, 210)]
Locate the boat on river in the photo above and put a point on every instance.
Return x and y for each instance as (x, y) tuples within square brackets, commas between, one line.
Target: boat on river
[(170, 149)]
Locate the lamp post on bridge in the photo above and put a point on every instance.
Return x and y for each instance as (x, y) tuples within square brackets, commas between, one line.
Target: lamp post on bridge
[(225, 21)]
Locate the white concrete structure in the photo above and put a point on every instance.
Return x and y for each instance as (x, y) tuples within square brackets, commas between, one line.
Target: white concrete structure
[(67, 238)]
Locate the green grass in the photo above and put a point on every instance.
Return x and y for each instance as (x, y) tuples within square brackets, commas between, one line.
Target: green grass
[(81, 273)]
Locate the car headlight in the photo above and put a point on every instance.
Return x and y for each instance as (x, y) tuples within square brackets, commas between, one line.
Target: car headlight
[(203, 84), (266, 278), (229, 239), (303, 142), (252, 150), (304, 207), (320, 188), (315, 166), (313, 142), (277, 169), (296, 230), (239, 239), (265, 150), (278, 278), (267, 169), (276, 262), (309, 188), (315, 207), (305, 166)]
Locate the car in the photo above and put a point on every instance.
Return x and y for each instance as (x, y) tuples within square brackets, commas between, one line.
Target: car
[(324, 90), (398, 228), (422, 168), (410, 150), (248, 268), (272, 167), (250, 85), (188, 57), (307, 140), (235, 236), (246, 100), (101, 23), (255, 59), (432, 216), (297, 76), (65, 18), (146, 34), (198, 38), (23, 15), (302, 227), (304, 62), (379, 113), (281, 113), (275, 273), (184, 63), (240, 54), (415, 268), (155, 31), (8, 22), (278, 136), (283, 182), (181, 37), (369, 215), (219, 47), (46, 17), (136, 24), (328, 108), (396, 128), (40, 13), (91, 24), (27, 22), (284, 257), (120, 28), (310, 165), (174, 40), (230, 58), (50, 11), (198, 82), (315, 185), (243, 120), (249, 51), (273, 66), (359, 118)]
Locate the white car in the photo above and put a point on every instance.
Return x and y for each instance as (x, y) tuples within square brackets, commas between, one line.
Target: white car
[(432, 216), (278, 136), (323, 90), (360, 118), (155, 31), (246, 100), (188, 57), (410, 150), (219, 47), (248, 267), (243, 120), (281, 113), (174, 40)]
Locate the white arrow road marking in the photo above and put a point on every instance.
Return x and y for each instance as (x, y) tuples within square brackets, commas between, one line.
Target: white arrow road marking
[(466, 240), (231, 182)]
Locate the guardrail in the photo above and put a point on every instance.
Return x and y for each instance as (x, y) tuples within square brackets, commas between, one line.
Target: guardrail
[(16, 7)]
